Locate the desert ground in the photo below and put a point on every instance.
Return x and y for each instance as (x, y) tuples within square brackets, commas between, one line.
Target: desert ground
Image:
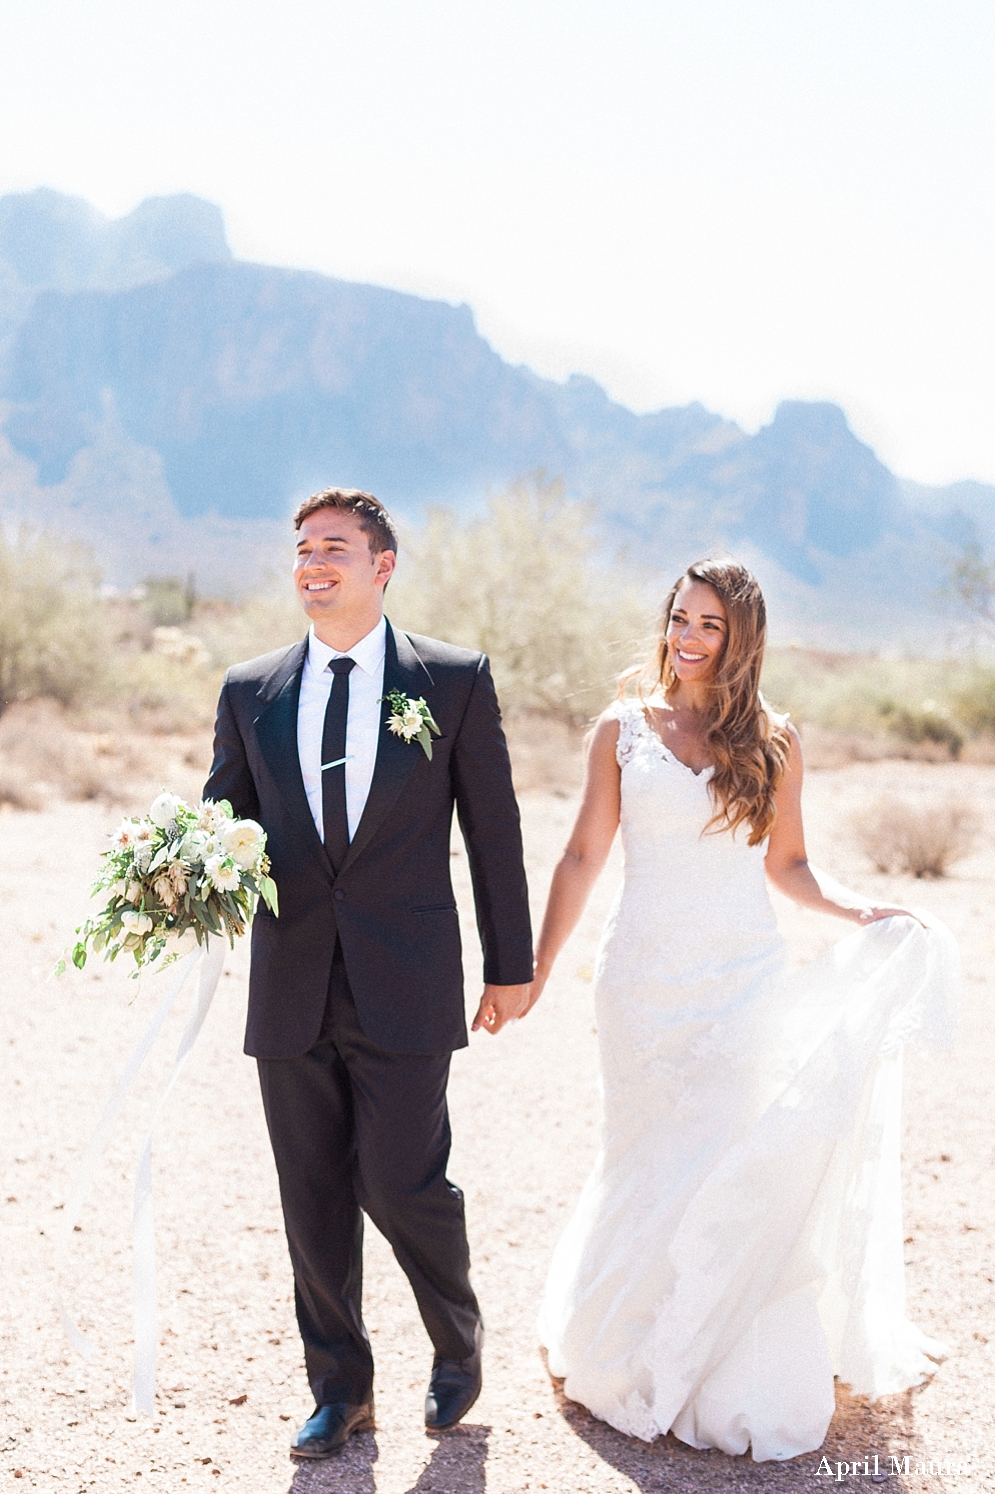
[(525, 1117)]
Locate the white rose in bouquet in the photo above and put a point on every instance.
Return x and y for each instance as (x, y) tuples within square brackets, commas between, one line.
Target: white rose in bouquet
[(222, 873), (164, 810), (136, 923), (244, 841)]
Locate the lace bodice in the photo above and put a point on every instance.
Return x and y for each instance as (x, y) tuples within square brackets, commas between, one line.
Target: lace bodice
[(678, 874)]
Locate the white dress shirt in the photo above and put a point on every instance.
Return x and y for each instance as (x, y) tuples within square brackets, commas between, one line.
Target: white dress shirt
[(362, 732)]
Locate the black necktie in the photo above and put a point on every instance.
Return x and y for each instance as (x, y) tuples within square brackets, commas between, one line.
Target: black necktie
[(333, 806)]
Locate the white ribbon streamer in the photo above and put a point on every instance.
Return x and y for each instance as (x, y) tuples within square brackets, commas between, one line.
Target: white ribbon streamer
[(209, 963)]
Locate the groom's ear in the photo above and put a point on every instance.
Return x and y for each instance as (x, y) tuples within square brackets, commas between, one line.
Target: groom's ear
[(386, 561)]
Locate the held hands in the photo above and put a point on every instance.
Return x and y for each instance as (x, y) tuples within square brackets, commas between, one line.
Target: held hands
[(500, 1005)]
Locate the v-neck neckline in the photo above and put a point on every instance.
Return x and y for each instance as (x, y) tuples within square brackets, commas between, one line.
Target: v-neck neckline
[(668, 751)]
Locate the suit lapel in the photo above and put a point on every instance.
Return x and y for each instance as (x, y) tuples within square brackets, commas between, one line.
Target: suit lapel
[(403, 670), (276, 733)]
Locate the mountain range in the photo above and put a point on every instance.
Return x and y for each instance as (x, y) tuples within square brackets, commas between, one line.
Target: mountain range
[(169, 404)]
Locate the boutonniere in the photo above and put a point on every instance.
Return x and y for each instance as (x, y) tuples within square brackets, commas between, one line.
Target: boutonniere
[(411, 719)]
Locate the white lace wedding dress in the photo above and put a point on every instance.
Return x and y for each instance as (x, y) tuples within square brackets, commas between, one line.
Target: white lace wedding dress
[(739, 1241)]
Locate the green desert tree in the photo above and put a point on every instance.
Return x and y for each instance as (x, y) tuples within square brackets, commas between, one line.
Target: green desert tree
[(53, 637), (526, 580)]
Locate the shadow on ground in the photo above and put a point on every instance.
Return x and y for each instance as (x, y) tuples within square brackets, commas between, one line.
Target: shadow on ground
[(350, 1471), (455, 1467), (859, 1430)]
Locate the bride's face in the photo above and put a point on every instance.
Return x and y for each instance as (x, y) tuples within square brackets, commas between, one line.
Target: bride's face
[(697, 632)]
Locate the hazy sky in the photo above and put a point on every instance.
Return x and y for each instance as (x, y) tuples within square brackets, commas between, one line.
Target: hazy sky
[(736, 201)]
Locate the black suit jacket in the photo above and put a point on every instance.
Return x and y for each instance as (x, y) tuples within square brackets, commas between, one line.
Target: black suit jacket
[(391, 904)]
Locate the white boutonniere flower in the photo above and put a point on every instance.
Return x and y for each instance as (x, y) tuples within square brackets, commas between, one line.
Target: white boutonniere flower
[(411, 719)]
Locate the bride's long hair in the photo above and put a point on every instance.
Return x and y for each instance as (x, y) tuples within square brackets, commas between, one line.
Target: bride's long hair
[(748, 746)]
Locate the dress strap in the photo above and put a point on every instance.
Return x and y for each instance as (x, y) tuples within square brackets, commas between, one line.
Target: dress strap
[(631, 721)]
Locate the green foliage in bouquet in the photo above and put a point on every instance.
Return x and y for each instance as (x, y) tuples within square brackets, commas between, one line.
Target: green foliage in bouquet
[(174, 878)]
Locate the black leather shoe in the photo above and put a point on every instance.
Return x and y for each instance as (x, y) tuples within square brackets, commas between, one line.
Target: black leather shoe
[(452, 1390), (329, 1428)]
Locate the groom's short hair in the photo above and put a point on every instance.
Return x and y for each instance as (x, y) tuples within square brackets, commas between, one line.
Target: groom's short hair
[(375, 522)]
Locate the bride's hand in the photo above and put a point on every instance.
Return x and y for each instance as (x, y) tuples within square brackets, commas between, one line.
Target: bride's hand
[(536, 989), (874, 912)]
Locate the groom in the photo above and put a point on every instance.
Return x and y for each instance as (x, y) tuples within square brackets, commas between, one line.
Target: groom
[(356, 990)]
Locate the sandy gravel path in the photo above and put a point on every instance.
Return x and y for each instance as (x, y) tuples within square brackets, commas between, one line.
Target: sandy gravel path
[(525, 1117)]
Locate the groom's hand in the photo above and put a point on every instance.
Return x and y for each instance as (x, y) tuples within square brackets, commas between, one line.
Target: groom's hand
[(498, 1005)]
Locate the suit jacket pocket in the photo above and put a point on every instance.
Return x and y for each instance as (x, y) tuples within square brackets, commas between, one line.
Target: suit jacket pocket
[(436, 908)]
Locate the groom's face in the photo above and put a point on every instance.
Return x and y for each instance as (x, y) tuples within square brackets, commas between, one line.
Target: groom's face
[(336, 573)]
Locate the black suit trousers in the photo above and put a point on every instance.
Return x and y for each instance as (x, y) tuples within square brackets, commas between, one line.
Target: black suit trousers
[(358, 1129)]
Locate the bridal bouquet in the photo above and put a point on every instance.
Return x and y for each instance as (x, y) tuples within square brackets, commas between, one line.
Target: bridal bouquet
[(174, 878)]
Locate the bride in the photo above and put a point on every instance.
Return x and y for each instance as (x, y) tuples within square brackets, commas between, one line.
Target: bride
[(739, 1241)]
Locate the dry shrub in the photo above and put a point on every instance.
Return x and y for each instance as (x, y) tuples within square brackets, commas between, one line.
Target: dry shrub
[(825, 747), (269, 617), (16, 789), (929, 725), (166, 683), (822, 747), (924, 840), (975, 702), (916, 707), (545, 753), (182, 647), (164, 695), (41, 757)]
